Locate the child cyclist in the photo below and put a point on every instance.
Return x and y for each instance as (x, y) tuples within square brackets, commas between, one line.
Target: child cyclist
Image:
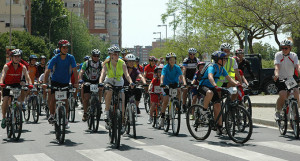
[(154, 89), (195, 81)]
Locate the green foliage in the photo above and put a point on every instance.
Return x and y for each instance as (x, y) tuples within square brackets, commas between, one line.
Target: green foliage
[(29, 44), (267, 63), (266, 50)]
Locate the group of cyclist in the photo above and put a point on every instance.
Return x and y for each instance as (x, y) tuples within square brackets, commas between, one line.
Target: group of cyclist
[(125, 70)]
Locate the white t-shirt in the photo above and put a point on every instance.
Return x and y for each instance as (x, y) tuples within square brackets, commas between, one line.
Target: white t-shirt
[(286, 65)]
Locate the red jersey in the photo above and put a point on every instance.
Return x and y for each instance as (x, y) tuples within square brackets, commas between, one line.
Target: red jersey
[(241, 74), (156, 85), (13, 76), (140, 68), (150, 71)]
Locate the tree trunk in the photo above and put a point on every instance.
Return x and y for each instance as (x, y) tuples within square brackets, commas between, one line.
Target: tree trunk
[(250, 40)]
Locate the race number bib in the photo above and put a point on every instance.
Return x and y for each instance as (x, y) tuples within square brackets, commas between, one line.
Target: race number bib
[(173, 92), (72, 90), (157, 89), (60, 95), (290, 83), (94, 87), (15, 93)]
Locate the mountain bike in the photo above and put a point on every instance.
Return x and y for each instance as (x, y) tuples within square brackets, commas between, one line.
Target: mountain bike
[(33, 106), (72, 104), (130, 116)]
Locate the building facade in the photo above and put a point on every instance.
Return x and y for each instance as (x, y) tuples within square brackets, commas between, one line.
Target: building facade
[(103, 17), (20, 15), (141, 52)]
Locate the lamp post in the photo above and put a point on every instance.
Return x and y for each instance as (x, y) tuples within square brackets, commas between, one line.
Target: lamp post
[(10, 23), (63, 16), (166, 30), (159, 36)]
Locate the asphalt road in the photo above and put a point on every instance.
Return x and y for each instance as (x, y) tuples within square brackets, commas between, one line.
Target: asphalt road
[(38, 143)]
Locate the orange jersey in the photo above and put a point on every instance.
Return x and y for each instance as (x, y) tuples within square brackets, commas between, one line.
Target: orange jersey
[(32, 71)]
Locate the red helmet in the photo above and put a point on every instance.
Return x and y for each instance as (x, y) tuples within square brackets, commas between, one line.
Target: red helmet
[(239, 51), (63, 43)]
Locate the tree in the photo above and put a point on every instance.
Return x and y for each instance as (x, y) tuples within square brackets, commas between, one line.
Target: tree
[(266, 50), (29, 44)]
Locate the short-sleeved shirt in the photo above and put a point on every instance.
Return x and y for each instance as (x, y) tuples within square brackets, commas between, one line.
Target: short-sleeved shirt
[(286, 63), (133, 75), (156, 85), (197, 77), (214, 69), (62, 73), (171, 75), (40, 69), (150, 71), (92, 71), (191, 66), (33, 73)]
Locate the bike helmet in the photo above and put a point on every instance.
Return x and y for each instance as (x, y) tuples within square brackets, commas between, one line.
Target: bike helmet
[(56, 51), (170, 55), (200, 63), (43, 57), (63, 43), (33, 57), (218, 55), (95, 52), (16, 52), (160, 67), (152, 58), (225, 46), (137, 58), (115, 49), (286, 42), (130, 57), (192, 51), (145, 64), (86, 58), (109, 50), (126, 51), (239, 51), (181, 66)]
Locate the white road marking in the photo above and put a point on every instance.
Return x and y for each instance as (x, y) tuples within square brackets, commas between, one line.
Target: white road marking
[(33, 157), (280, 146), (101, 154), (80, 113), (137, 141)]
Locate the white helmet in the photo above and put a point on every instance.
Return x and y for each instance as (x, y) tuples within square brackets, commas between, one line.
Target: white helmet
[(286, 42), (192, 50), (225, 46), (130, 57)]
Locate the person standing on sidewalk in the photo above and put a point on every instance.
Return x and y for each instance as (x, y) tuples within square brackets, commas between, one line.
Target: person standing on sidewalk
[(286, 62)]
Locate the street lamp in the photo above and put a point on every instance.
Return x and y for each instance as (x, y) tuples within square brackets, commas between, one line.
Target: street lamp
[(166, 30), (159, 36), (63, 16)]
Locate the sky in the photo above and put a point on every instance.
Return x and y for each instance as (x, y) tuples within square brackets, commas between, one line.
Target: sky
[(141, 17)]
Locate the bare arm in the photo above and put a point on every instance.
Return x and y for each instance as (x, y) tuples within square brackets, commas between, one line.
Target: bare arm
[(126, 73), (276, 71), (47, 72), (142, 78), (81, 73), (103, 74), (182, 78), (237, 73), (5, 69), (231, 80), (211, 79), (162, 79), (184, 70), (75, 76), (28, 80), (150, 87), (245, 80)]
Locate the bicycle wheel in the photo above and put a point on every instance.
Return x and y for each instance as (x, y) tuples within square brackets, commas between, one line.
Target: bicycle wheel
[(235, 118), (127, 119), (155, 118), (176, 118), (27, 111), (90, 117), (72, 110), (167, 119), (247, 104), (60, 125), (35, 109), (117, 129), (147, 102), (111, 125), (282, 122), (47, 111), (96, 114), (133, 120), (40, 100), (17, 123), (9, 122), (294, 119), (197, 123)]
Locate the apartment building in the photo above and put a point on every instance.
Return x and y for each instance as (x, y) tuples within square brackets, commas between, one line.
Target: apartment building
[(20, 15), (141, 52)]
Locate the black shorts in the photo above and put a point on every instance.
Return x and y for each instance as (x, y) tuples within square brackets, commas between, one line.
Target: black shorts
[(6, 92), (281, 86), (137, 94), (57, 84), (175, 85), (87, 89), (204, 89)]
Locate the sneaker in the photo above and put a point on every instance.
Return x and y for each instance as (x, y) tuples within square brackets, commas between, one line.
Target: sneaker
[(150, 120), (3, 123), (138, 110), (277, 116), (107, 127), (51, 119), (106, 113), (192, 117), (67, 124), (24, 107), (84, 117), (162, 123), (221, 130), (123, 129)]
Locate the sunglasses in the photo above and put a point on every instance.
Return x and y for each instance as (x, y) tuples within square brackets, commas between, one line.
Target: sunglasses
[(192, 54), (97, 56), (284, 48), (158, 71)]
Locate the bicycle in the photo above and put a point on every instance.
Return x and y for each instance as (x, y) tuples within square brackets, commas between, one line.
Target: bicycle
[(244, 99), (147, 99), (115, 116), (32, 105), (238, 123), (72, 104), (173, 112), (189, 95), (289, 110), (130, 116), (60, 112), (94, 109), (156, 112), (14, 120)]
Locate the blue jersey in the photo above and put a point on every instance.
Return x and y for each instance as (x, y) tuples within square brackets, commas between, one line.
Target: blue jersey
[(214, 69), (62, 73), (171, 75)]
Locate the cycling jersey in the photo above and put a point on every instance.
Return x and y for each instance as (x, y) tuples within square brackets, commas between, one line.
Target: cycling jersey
[(133, 75), (33, 73), (13, 76), (149, 71), (91, 71), (286, 63), (216, 72), (40, 69), (62, 73), (197, 77), (171, 75), (24, 63), (245, 64), (191, 66)]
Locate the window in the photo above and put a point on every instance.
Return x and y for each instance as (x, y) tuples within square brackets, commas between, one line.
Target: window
[(7, 24), (66, 4)]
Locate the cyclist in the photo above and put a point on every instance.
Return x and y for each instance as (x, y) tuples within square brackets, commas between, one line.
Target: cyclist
[(113, 70), (154, 87), (138, 66), (286, 62), (170, 74), (85, 58), (90, 72), (208, 85), (149, 69), (189, 69), (42, 65), (12, 75), (32, 69), (134, 75), (64, 64), (144, 65), (124, 53), (243, 63), (195, 81)]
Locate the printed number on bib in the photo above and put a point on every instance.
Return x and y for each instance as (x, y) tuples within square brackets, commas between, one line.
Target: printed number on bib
[(173, 92), (94, 87), (157, 89), (60, 95), (290, 83)]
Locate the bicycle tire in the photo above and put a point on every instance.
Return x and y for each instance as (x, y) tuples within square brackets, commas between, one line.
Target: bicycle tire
[(147, 102), (72, 110), (167, 120), (133, 121), (35, 108), (198, 123), (17, 126), (60, 125), (117, 129), (127, 120), (40, 98), (97, 114), (155, 115), (9, 122), (295, 119), (247, 104), (236, 116), (27, 111), (111, 127), (282, 123), (176, 119), (90, 117), (47, 111)]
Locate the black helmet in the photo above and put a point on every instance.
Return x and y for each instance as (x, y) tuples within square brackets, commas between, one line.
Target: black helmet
[(33, 57), (137, 58), (95, 52), (43, 57)]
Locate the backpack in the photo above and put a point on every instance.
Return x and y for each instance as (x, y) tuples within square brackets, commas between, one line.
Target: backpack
[(204, 70), (88, 65)]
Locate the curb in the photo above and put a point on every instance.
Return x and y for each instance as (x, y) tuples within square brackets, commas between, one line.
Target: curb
[(263, 104), (264, 122)]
